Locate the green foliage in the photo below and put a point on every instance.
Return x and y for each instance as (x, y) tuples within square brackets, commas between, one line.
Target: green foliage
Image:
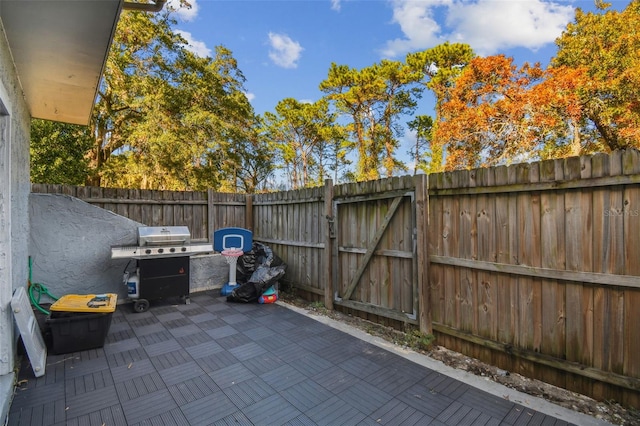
[(373, 99), (307, 140), (58, 152)]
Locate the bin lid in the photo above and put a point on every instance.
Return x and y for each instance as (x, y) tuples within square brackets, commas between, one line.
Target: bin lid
[(96, 303)]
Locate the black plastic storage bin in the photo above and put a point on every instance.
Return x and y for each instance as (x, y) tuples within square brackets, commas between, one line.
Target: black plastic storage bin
[(78, 331), (80, 322)]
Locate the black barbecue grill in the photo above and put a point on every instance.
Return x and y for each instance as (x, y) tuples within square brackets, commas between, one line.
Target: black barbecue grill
[(162, 257)]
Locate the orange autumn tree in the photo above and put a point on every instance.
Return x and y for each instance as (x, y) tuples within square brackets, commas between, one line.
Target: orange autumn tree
[(607, 47), (486, 119)]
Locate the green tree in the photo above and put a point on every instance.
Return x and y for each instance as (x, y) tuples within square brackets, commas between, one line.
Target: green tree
[(58, 152), (161, 110), (440, 67), (373, 99), (302, 133), (422, 125)]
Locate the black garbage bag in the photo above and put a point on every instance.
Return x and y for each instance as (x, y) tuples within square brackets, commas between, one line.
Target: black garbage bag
[(259, 255), (256, 271), (263, 278)]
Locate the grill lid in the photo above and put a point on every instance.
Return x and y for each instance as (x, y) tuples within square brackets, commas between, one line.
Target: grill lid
[(163, 235)]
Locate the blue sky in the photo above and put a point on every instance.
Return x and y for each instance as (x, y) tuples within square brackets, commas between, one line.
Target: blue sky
[(285, 48)]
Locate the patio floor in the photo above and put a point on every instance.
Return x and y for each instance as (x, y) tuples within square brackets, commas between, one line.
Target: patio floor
[(219, 363)]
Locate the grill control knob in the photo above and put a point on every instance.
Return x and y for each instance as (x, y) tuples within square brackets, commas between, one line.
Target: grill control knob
[(172, 250), (184, 249), (147, 251), (160, 250)]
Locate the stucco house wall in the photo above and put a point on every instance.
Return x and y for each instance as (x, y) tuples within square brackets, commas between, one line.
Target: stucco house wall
[(14, 219)]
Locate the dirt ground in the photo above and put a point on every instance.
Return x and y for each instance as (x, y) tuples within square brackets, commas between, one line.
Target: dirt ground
[(608, 411)]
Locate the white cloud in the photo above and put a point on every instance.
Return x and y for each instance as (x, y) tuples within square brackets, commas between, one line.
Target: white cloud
[(488, 26), (336, 4), (182, 12), (283, 51), (199, 48), (250, 96)]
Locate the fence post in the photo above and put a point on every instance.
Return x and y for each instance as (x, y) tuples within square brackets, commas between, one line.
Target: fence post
[(210, 219), (327, 271), (422, 253), (248, 212)]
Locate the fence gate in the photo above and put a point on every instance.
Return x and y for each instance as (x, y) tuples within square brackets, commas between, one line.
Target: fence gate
[(374, 246)]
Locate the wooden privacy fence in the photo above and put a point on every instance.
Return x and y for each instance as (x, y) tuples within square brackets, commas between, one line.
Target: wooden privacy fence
[(202, 211), (534, 268)]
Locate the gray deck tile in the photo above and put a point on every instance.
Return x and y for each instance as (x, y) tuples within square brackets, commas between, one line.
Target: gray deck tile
[(231, 375), (193, 339), (360, 366), (149, 329), (248, 392), (89, 382), (148, 406), (301, 420), (162, 347), (88, 402), (220, 332), (159, 336), (212, 323), (193, 389), (170, 317), (173, 417), (32, 395), (184, 331), (86, 366), (106, 416), (216, 361), (202, 317), (263, 362), (314, 343), (126, 357), (209, 409), (171, 359), (364, 397), (334, 411), (291, 352), (490, 404), (37, 414), (235, 419), (311, 364), (180, 373), (259, 333), (132, 370), (275, 342), (391, 380), (121, 346), (283, 377), (272, 410), (247, 351), (233, 340), (336, 380), (235, 318), (203, 349), (306, 395), (120, 331), (396, 412), (140, 386), (425, 400)]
